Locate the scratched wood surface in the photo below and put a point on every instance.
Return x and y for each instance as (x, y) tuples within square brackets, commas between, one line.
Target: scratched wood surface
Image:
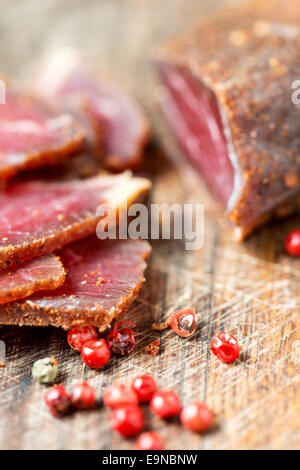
[(250, 290)]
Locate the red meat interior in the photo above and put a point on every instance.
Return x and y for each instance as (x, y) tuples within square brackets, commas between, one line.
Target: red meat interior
[(193, 114)]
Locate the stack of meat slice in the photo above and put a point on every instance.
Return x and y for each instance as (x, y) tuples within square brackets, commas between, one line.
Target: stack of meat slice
[(54, 269)]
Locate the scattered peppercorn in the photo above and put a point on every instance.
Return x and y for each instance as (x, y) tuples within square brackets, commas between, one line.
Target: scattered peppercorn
[(58, 400), (184, 322), (225, 347), (119, 394), (197, 417), (78, 335), (45, 370), (165, 403), (292, 243), (121, 341), (83, 396), (144, 386), (95, 353), (150, 441), (153, 348), (128, 420)]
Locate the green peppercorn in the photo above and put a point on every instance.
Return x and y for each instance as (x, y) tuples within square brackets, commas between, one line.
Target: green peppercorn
[(45, 370)]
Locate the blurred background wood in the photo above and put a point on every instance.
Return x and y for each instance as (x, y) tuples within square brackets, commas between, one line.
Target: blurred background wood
[(250, 290)]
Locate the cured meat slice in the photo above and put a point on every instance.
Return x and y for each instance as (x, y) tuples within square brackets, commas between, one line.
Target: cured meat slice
[(19, 282), (38, 217), (123, 127), (103, 278), (34, 135), (227, 96)]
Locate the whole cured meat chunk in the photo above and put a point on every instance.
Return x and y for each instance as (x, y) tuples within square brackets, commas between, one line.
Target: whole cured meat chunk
[(19, 282), (33, 135), (103, 278), (116, 117), (227, 89), (38, 217)]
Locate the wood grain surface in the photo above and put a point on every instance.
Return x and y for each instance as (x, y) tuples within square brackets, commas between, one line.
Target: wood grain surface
[(251, 290)]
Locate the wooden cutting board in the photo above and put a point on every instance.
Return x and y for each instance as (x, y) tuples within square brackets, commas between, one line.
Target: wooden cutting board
[(251, 290)]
